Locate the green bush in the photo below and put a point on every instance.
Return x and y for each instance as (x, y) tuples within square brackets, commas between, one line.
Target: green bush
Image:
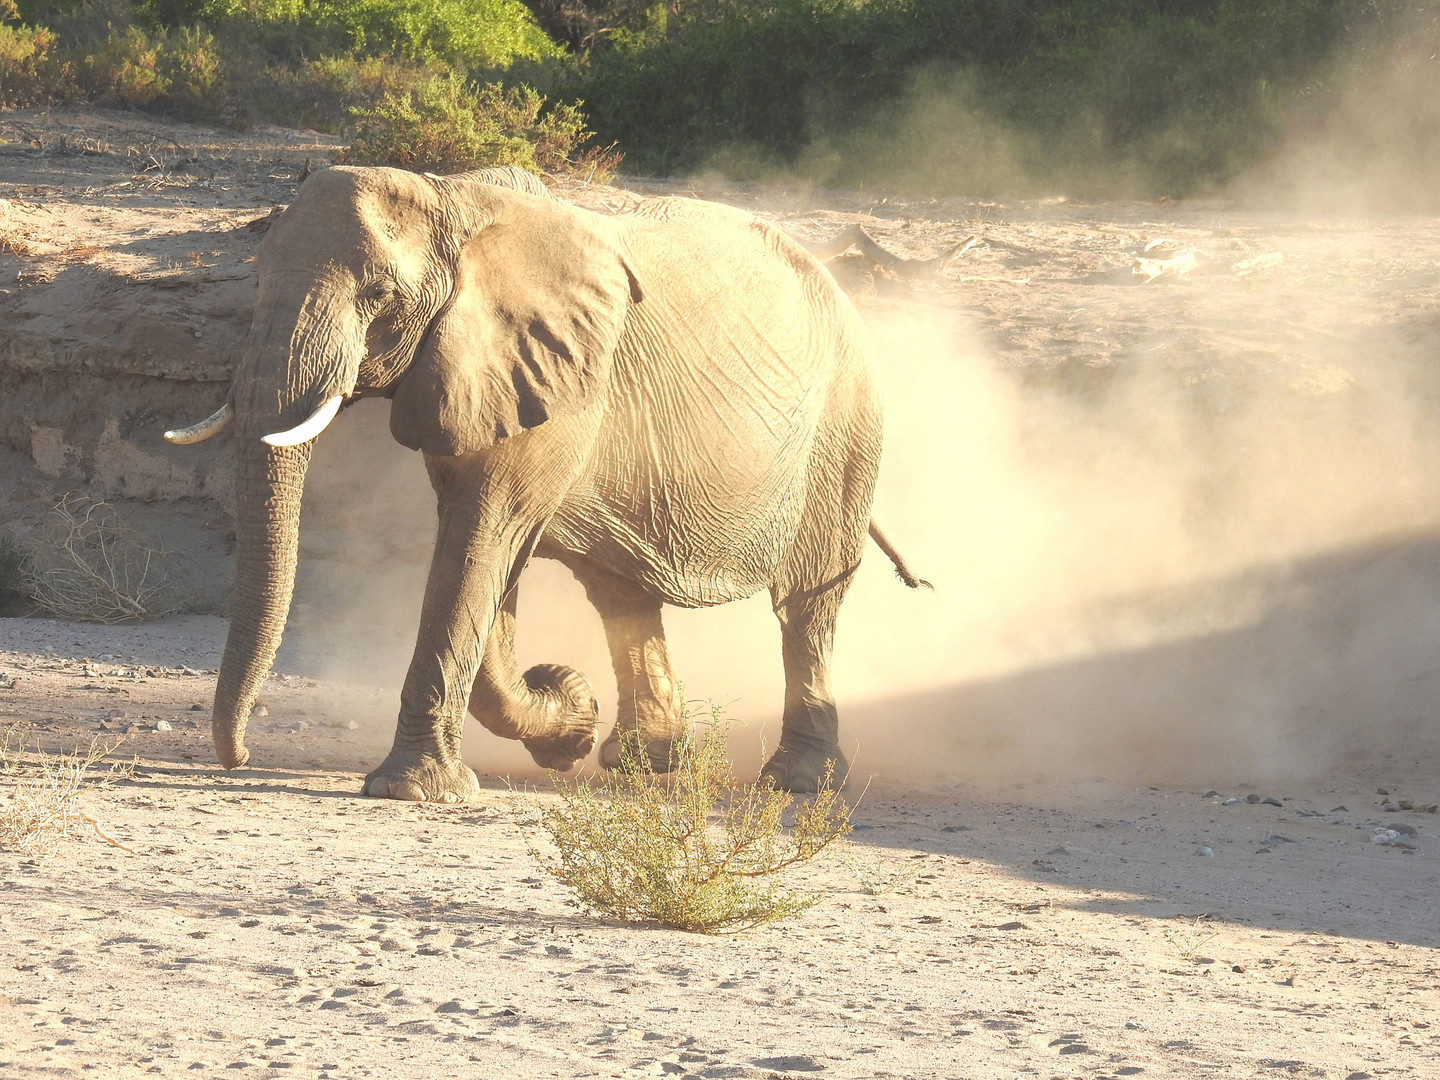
[(694, 848), (31, 72), (442, 124), (321, 94), (1172, 95), (469, 35), (192, 67), (125, 70)]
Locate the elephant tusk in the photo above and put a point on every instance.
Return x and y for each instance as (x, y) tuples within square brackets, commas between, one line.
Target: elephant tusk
[(211, 425), (318, 421)]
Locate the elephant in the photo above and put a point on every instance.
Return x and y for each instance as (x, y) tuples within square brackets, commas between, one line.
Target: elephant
[(676, 403)]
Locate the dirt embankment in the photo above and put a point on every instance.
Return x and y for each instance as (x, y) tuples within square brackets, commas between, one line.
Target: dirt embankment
[(126, 288)]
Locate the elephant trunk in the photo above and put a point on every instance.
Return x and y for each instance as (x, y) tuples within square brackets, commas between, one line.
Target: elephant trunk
[(268, 483)]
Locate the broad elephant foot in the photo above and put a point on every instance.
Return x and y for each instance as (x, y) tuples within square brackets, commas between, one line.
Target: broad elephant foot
[(555, 718), (418, 778), (657, 754), (574, 716), (801, 769)]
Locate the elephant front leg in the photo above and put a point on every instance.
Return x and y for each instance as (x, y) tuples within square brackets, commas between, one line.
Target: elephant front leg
[(487, 529)]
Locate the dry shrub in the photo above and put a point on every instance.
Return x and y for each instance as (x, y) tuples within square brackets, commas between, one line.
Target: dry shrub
[(40, 793), (88, 565), (693, 849), (11, 244)]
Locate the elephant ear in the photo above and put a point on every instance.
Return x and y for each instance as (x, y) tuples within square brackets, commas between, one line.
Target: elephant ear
[(529, 333)]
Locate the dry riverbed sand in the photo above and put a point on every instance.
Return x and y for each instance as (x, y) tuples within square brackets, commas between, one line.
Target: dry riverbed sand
[(271, 919), (1155, 767)]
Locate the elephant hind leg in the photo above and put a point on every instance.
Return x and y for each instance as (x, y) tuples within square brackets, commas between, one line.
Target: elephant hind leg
[(649, 701), (810, 728), (550, 708), (808, 590)]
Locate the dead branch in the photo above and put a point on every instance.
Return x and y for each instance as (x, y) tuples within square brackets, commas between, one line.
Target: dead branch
[(856, 237)]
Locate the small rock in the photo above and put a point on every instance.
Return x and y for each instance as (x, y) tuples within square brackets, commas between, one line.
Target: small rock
[(1270, 800), (1239, 969), (197, 707), (1206, 850), (1210, 794), (1391, 838), (163, 725), (1231, 801), (1057, 851), (458, 1005), (259, 710), (1404, 829), (956, 828)]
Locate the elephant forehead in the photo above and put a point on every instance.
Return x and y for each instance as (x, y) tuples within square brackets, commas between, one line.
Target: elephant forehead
[(360, 217)]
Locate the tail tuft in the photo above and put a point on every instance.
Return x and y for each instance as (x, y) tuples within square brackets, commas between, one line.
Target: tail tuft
[(902, 571)]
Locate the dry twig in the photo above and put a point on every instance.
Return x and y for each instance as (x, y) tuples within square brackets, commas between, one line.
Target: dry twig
[(88, 565)]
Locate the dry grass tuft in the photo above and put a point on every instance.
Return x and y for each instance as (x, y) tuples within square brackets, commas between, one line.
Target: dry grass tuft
[(693, 849), (40, 793), (13, 244), (90, 566), (1189, 941)]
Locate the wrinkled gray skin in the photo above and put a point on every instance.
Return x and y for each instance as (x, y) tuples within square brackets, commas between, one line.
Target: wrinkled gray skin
[(678, 404)]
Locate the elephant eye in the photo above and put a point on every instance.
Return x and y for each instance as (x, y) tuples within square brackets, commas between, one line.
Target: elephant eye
[(380, 291)]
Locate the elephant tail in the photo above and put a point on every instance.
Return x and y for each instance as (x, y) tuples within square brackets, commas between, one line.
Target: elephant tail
[(901, 570)]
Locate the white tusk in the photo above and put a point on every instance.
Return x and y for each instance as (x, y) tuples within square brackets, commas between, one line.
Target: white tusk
[(211, 425), (319, 420)]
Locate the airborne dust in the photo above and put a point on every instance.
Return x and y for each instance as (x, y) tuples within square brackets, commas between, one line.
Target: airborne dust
[(1185, 530)]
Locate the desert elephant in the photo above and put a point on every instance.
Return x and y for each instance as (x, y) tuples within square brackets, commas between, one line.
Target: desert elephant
[(678, 404)]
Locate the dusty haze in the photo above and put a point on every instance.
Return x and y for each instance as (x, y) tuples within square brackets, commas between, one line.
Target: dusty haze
[(1177, 530)]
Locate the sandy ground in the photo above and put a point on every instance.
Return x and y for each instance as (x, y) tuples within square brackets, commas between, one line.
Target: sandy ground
[(1153, 768), (271, 919)]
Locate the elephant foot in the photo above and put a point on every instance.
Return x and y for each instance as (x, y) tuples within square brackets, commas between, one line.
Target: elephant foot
[(575, 714), (657, 754), (419, 778), (800, 769)]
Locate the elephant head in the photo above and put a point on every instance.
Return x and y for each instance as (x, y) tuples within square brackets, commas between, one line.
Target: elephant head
[(481, 310)]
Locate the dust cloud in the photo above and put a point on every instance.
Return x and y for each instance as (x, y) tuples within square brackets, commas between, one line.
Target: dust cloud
[(1367, 144), (1144, 580), (1211, 555), (1143, 577)]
